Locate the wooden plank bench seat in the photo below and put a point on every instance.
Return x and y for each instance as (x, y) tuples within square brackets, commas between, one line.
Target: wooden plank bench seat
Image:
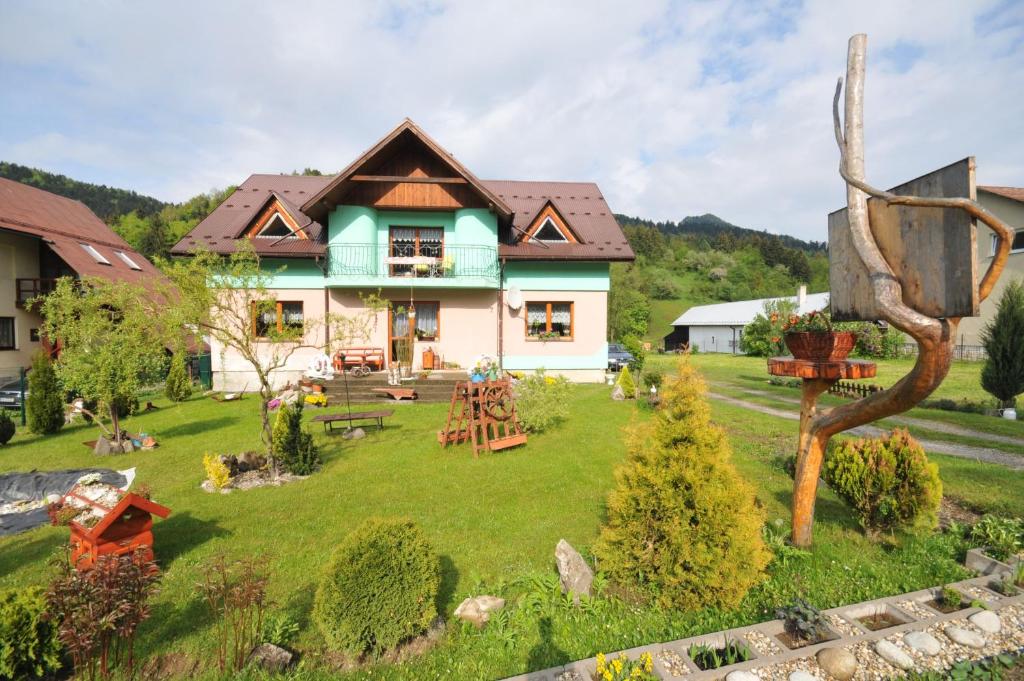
[(354, 357), (398, 393), (330, 419)]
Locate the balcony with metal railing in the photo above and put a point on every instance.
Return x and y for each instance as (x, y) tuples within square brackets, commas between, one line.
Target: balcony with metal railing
[(423, 265)]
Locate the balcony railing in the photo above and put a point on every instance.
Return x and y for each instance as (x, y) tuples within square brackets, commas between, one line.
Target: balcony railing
[(27, 289), (406, 261)]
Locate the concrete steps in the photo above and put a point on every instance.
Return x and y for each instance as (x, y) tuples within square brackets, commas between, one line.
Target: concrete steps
[(435, 388)]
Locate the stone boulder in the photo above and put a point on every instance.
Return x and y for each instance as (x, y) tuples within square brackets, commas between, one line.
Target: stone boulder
[(250, 461), (354, 434), (574, 573), (892, 654), (742, 676), (965, 637), (987, 621), (618, 394), (923, 642), (478, 610), (840, 663), (271, 658)]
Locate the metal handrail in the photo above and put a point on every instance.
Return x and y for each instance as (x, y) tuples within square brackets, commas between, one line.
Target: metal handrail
[(405, 261)]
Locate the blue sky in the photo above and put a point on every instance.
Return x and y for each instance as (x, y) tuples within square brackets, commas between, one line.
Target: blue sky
[(673, 108)]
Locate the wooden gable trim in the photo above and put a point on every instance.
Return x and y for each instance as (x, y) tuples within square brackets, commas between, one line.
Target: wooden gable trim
[(318, 202), (274, 207), (129, 499), (549, 211)]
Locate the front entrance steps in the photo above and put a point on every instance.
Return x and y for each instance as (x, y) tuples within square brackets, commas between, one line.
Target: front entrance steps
[(436, 386), (774, 661)]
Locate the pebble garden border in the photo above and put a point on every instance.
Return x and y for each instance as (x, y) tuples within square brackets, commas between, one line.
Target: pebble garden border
[(773, 660)]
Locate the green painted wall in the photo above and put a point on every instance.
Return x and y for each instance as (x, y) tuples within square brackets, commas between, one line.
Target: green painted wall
[(558, 276), (352, 225), (292, 273)]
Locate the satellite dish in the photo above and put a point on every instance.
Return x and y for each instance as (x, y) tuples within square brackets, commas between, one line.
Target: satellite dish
[(514, 297)]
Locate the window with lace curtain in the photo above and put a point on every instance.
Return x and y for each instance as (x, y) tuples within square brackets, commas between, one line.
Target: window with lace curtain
[(277, 317), (427, 320), (415, 242), (549, 320)]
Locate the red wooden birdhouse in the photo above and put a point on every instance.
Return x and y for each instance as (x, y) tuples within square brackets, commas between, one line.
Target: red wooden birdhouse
[(110, 522)]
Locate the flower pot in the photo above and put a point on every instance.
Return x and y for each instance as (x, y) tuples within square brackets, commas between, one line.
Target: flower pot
[(820, 346), (317, 388)]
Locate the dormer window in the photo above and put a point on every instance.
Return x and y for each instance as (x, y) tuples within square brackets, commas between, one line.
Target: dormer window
[(548, 232), (276, 228), (96, 255)]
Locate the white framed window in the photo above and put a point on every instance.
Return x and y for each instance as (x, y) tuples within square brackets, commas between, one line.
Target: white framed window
[(127, 260), (1016, 247), (96, 255), (549, 232)]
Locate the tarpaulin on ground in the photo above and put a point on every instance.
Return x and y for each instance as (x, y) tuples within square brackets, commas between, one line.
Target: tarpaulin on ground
[(23, 495)]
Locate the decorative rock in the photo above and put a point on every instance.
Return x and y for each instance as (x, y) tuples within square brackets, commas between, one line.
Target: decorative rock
[(103, 446), (618, 394), (478, 610), (273, 659), (742, 676), (250, 461), (354, 434), (894, 656), (840, 663), (801, 675), (987, 621), (573, 571), (965, 637), (923, 642)]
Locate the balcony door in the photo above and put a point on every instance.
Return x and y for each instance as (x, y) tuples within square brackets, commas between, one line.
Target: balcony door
[(416, 242)]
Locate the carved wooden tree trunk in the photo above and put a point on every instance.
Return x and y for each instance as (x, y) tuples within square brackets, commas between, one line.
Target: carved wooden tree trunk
[(935, 337)]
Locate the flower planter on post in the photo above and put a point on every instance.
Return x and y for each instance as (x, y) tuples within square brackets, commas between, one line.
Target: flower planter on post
[(820, 346)]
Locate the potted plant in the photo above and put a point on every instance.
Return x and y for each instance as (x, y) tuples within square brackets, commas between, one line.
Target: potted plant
[(811, 336)]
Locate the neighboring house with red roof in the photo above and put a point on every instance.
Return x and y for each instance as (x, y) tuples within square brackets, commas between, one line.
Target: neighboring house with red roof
[(1006, 203), (504, 268), (44, 236)]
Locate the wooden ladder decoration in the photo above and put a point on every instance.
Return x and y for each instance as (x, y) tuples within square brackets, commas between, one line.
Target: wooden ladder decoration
[(484, 414)]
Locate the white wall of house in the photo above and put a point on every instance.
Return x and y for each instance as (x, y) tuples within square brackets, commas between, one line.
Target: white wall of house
[(19, 258), (716, 338)]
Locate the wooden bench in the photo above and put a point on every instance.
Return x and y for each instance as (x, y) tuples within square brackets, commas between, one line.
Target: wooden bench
[(355, 357), (398, 393), (330, 419)]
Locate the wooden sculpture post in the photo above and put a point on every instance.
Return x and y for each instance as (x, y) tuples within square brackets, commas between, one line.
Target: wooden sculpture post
[(887, 279)]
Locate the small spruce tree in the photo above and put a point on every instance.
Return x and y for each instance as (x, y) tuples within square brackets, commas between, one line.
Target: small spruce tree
[(6, 427), (683, 526), (294, 449), (178, 387), (45, 401), (1003, 338)]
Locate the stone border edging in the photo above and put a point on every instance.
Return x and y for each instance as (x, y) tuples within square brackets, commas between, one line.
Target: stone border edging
[(975, 588)]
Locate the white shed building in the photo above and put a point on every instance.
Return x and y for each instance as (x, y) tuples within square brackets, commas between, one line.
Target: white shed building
[(719, 327)]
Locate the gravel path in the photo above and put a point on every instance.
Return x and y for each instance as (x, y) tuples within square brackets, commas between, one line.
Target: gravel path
[(952, 449), (928, 424)]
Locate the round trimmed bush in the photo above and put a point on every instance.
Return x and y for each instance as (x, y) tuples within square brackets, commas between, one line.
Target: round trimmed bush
[(379, 589), (887, 481)]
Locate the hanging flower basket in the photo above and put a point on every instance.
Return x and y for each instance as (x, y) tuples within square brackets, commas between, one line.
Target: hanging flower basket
[(820, 346)]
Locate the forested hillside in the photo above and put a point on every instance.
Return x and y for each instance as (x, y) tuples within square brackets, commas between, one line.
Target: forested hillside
[(703, 260)]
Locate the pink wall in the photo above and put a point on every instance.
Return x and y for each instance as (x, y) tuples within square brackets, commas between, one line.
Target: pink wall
[(590, 322)]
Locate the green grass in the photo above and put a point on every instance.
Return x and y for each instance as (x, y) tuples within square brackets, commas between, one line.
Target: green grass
[(494, 520)]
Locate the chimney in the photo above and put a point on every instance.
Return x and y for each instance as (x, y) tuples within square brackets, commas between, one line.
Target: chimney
[(801, 298)]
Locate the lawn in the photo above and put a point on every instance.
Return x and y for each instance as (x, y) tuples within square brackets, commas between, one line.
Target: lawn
[(494, 520)]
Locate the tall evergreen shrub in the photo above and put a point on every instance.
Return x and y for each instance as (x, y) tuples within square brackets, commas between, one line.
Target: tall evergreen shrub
[(683, 525), (294, 448), (178, 386), (1003, 337), (6, 427), (45, 401), (29, 647)]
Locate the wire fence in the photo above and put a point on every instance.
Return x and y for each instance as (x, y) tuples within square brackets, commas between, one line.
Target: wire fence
[(969, 353)]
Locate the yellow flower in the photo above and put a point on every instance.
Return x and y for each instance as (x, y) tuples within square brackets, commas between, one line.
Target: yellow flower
[(607, 676), (617, 664)]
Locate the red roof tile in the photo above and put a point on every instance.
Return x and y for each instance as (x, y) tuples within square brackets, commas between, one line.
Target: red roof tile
[(1015, 193)]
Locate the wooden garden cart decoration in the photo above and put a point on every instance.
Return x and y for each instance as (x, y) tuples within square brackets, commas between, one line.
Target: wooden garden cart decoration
[(110, 522), (907, 257), (483, 413)]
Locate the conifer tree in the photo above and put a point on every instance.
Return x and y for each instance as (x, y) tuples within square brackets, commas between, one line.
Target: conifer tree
[(1003, 337), (178, 387), (626, 382), (45, 401), (682, 525)]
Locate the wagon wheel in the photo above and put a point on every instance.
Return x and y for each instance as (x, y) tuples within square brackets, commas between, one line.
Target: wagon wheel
[(496, 401), (360, 370)]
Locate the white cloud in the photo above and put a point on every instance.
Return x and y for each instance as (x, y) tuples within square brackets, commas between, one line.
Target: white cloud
[(674, 108)]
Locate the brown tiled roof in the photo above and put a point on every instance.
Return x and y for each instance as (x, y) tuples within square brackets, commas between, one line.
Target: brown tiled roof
[(1015, 193), (582, 206), (64, 225), (221, 228)]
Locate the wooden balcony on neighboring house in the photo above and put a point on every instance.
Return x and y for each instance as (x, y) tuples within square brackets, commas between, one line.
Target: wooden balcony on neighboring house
[(26, 289)]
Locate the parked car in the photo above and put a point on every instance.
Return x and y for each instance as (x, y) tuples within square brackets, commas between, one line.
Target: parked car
[(10, 393), (618, 356)]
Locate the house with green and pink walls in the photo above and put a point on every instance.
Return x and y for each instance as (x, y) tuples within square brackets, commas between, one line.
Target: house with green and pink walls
[(517, 270)]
